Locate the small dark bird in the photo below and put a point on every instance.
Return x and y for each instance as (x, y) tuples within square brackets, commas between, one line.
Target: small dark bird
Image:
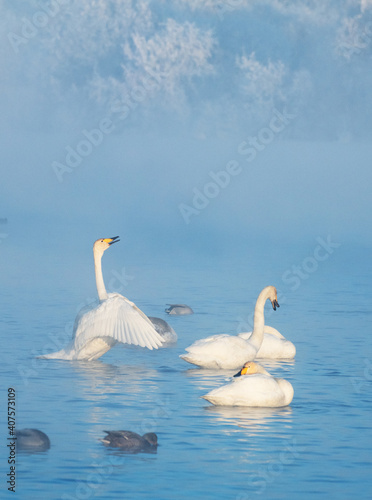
[(178, 309), (131, 442), (31, 440), (164, 330)]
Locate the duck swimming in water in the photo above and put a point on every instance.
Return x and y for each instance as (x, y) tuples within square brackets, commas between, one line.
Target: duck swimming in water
[(179, 309), (31, 440), (131, 442)]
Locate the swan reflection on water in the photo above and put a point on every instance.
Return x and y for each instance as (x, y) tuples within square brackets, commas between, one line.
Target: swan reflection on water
[(105, 379), (117, 387), (213, 378), (277, 363), (255, 420)]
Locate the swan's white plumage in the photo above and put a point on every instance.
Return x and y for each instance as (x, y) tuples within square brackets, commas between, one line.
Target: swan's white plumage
[(102, 324), (229, 351), (219, 352), (115, 317), (258, 389), (274, 345), (253, 390)]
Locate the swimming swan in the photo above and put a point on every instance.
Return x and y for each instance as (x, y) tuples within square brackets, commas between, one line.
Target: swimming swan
[(255, 388), (228, 351), (274, 345), (114, 318)]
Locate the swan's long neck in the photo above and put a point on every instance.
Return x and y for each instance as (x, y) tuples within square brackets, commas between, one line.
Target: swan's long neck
[(257, 336), (102, 294)]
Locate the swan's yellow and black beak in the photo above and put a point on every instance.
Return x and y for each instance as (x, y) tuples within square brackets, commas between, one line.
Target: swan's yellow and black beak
[(275, 304), (243, 371), (111, 241)]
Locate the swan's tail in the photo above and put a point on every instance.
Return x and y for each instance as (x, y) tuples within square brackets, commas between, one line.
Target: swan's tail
[(62, 354), (190, 359), (65, 353), (91, 351), (186, 358)]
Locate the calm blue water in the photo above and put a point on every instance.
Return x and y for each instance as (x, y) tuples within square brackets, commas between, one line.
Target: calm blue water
[(319, 447)]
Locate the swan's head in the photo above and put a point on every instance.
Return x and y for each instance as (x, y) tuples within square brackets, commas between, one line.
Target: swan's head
[(273, 296), (251, 368), (103, 244)]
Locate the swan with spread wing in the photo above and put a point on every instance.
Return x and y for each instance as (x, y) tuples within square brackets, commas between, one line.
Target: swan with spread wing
[(111, 319)]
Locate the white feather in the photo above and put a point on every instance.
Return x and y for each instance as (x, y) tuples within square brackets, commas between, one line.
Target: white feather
[(117, 318)]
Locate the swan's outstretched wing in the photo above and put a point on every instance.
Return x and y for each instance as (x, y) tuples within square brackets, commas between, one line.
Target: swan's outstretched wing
[(118, 318)]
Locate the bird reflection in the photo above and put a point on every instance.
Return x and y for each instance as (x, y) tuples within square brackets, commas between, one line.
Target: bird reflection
[(277, 364), (103, 378), (208, 374), (210, 378), (254, 420)]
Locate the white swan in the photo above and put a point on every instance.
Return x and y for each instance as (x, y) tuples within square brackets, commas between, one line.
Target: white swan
[(255, 388), (112, 319), (274, 345), (228, 351)]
